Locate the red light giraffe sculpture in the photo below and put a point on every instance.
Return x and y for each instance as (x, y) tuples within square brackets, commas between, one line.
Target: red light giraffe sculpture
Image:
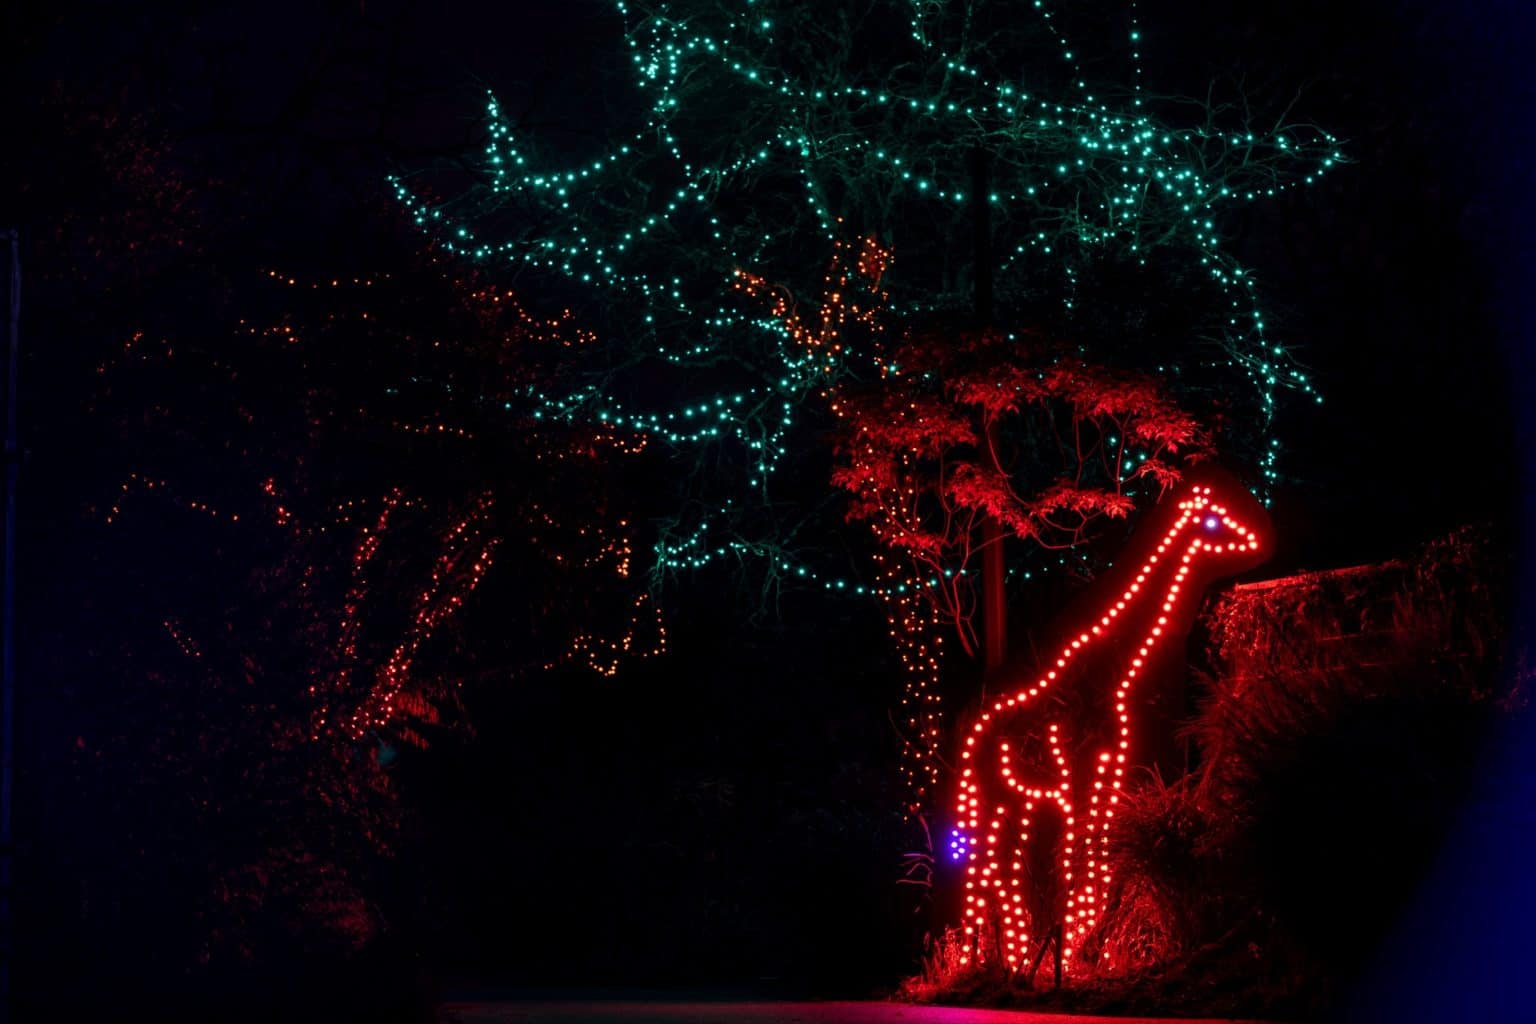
[(1042, 767)]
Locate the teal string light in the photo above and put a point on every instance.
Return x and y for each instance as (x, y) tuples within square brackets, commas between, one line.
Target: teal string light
[(750, 153)]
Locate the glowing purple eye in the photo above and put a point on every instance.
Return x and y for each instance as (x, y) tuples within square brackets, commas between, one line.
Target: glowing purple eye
[(1212, 522)]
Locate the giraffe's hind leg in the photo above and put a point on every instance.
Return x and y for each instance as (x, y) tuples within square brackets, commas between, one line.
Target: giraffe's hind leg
[(1041, 870)]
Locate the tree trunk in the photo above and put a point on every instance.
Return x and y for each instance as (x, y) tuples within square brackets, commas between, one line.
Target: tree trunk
[(994, 607)]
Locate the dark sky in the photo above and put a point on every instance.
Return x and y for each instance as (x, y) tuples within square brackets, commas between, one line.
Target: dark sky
[(1404, 279)]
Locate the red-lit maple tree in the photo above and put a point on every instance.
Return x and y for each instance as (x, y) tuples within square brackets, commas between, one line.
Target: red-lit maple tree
[(964, 425), (955, 426), (341, 470)]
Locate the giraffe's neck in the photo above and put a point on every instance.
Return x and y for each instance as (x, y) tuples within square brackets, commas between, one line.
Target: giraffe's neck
[(1160, 588), (1152, 583)]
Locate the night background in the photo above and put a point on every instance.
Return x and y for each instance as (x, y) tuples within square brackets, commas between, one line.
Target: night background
[(358, 669)]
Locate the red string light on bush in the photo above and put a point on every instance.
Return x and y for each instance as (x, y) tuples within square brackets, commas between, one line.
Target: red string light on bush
[(1016, 778)]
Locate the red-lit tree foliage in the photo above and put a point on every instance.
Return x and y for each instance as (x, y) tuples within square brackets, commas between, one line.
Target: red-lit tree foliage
[(956, 425), (146, 222), (966, 425), (279, 723), (341, 475), (281, 526)]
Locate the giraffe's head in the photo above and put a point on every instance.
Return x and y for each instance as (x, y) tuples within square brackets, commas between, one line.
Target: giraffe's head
[(1213, 528)]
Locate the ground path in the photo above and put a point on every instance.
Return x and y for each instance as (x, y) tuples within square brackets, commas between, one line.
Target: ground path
[(638, 1012)]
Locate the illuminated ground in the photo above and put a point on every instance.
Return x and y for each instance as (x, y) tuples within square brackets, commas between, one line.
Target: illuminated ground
[(619, 1012)]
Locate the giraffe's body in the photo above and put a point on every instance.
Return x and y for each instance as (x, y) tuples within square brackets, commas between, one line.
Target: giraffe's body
[(1041, 769)]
